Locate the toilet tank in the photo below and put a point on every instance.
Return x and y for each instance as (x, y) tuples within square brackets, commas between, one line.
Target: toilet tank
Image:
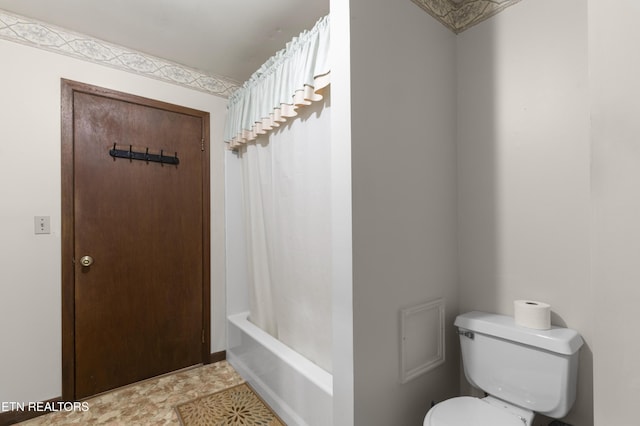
[(533, 369)]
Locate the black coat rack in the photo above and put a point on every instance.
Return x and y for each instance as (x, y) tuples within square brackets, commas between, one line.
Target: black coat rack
[(144, 156)]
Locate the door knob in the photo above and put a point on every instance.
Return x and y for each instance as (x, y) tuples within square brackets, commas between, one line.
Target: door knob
[(86, 260)]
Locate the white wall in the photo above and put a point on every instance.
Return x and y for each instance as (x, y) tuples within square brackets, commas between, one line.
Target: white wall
[(30, 359), (341, 206), (403, 175), (615, 102), (523, 169)]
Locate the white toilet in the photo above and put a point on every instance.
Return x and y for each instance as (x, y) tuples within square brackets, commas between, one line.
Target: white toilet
[(524, 371)]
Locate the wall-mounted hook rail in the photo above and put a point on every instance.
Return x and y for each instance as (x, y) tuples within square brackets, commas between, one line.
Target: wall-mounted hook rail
[(144, 156)]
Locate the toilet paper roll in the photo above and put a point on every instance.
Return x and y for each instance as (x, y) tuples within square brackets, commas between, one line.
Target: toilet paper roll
[(532, 314)]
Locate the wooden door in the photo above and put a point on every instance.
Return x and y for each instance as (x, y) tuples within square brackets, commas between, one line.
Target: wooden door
[(135, 236)]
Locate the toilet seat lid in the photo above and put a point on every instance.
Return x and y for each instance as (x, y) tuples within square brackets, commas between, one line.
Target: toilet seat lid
[(467, 411)]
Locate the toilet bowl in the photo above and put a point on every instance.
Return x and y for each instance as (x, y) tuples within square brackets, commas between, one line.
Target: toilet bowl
[(470, 411), (523, 371)]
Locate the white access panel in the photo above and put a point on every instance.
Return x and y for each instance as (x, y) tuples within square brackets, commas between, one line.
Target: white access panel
[(422, 339)]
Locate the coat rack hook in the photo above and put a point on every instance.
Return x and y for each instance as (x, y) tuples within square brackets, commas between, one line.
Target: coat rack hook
[(134, 155)]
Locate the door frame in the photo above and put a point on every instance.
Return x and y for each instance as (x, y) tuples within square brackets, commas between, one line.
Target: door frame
[(68, 89)]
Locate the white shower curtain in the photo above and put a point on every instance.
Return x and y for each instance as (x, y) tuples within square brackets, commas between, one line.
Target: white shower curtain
[(290, 79), (288, 226)]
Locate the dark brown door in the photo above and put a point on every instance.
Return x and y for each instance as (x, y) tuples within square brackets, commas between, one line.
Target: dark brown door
[(139, 259)]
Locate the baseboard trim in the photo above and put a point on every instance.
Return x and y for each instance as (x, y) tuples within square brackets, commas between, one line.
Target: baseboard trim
[(218, 356), (29, 412)]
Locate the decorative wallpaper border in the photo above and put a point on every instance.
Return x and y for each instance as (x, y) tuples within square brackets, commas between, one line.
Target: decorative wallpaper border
[(44, 36), (459, 15)]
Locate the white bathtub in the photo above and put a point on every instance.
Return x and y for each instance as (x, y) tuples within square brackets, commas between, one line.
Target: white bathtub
[(299, 391)]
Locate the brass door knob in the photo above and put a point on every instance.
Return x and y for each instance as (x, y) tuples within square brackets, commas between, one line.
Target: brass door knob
[(86, 260)]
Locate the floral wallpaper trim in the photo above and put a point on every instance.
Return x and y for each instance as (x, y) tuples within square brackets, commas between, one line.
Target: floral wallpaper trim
[(463, 14), (44, 36)]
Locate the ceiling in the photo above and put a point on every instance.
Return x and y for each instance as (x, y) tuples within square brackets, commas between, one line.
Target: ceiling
[(227, 38)]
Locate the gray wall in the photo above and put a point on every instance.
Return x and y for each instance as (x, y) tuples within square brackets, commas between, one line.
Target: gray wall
[(615, 103), (523, 169), (404, 212)]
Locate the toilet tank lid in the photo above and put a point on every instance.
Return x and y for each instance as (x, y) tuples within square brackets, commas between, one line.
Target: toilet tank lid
[(558, 339)]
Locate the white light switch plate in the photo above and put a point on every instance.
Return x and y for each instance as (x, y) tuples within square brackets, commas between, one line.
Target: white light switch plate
[(42, 224)]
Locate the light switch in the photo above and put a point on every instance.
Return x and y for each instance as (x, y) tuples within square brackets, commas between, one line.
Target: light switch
[(42, 224)]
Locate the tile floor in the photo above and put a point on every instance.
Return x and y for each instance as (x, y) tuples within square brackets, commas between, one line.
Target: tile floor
[(150, 402)]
